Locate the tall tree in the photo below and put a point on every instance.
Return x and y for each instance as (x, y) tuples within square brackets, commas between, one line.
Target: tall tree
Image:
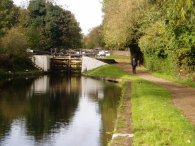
[(163, 30), (94, 39), (8, 14), (51, 26), (121, 21)]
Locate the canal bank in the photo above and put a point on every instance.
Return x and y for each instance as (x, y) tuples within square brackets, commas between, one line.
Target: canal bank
[(155, 119), (18, 68), (20, 74), (123, 132)]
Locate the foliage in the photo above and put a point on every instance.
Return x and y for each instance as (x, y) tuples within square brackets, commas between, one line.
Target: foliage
[(8, 14), (50, 26), (168, 41), (120, 21), (23, 18), (13, 40), (42, 25), (164, 31), (94, 39), (15, 43)]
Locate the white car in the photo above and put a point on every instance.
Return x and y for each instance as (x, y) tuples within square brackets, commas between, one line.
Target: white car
[(103, 53), (107, 53)]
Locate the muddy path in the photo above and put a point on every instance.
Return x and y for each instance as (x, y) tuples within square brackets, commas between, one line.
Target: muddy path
[(183, 96)]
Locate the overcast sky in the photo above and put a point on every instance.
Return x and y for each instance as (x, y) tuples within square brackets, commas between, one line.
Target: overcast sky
[(87, 12)]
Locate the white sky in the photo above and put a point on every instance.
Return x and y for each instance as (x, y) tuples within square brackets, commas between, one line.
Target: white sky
[(87, 12)]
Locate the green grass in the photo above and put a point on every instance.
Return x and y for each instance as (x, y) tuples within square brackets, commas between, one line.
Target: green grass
[(107, 71), (156, 121), (170, 77), (174, 79)]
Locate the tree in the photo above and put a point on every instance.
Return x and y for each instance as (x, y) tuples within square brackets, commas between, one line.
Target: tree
[(168, 37), (36, 24), (62, 30), (50, 26), (94, 39), (163, 30), (15, 42), (8, 14), (121, 21)]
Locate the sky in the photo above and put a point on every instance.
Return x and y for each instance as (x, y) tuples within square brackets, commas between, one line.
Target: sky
[(87, 12)]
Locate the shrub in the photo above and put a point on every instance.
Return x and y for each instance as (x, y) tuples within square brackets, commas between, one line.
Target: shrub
[(14, 43)]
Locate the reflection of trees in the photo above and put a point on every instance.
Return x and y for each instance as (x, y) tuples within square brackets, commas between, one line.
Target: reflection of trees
[(48, 111), (5, 126), (44, 113), (108, 107), (12, 104)]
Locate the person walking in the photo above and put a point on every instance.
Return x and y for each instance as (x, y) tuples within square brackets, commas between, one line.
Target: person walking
[(134, 65)]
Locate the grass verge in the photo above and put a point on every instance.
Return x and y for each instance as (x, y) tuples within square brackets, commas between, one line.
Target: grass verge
[(170, 78), (107, 71), (156, 121), (174, 79), (117, 57)]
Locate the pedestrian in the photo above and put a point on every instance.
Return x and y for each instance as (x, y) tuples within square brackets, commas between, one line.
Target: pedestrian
[(134, 65)]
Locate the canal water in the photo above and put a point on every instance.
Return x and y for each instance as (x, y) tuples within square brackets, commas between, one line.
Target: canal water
[(57, 111)]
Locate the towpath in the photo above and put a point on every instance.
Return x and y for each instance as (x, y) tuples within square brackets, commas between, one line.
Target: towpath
[(183, 96)]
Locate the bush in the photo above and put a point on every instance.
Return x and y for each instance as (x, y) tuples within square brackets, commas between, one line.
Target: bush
[(14, 43)]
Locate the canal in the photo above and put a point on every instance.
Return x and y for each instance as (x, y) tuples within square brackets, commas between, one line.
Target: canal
[(57, 111)]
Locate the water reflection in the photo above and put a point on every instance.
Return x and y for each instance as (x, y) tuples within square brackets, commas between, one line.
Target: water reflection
[(71, 111), (40, 85)]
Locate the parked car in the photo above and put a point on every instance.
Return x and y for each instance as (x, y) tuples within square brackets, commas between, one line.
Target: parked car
[(103, 53), (107, 53)]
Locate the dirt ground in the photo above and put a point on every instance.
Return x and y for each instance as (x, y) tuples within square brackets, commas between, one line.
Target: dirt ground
[(183, 96)]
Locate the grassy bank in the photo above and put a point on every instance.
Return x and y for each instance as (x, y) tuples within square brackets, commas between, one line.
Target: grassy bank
[(17, 67), (108, 71), (174, 79), (170, 78), (156, 121), (20, 74)]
